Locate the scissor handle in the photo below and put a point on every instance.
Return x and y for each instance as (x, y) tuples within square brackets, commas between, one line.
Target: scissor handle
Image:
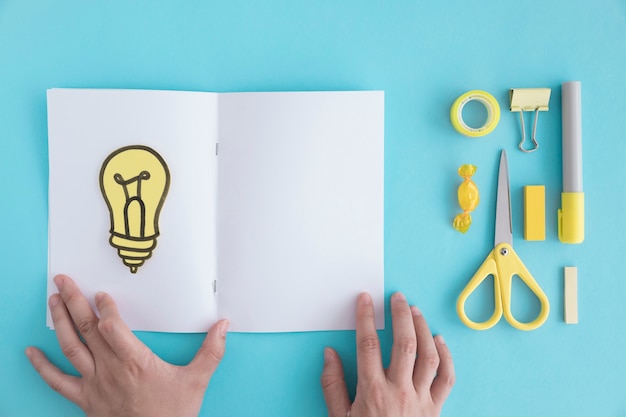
[(509, 264), (488, 267)]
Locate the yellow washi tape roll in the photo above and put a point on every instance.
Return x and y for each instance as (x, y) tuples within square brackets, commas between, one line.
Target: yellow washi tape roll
[(493, 113)]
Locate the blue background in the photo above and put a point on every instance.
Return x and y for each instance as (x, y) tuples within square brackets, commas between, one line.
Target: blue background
[(424, 54)]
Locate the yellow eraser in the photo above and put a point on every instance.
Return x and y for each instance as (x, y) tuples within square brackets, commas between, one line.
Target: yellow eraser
[(571, 295), (535, 212)]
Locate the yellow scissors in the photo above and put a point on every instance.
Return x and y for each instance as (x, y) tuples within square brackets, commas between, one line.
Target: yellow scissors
[(503, 263)]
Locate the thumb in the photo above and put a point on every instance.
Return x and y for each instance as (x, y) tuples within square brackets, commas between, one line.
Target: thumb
[(334, 385), (212, 350)]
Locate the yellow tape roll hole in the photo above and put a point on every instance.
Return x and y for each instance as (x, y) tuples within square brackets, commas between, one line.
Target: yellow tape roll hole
[(493, 113)]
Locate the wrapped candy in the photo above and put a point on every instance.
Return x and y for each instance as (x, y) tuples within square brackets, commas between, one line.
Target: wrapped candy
[(468, 198)]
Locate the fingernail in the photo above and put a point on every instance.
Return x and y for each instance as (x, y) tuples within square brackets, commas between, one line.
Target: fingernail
[(58, 281), (439, 339), (365, 298), (224, 328), (416, 311), (54, 300), (28, 352), (399, 297), (328, 355), (99, 296)]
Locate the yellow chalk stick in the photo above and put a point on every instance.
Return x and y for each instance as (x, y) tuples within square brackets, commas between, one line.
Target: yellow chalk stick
[(571, 294), (535, 212)]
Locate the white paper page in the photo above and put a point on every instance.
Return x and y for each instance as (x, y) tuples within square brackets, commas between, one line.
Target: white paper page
[(172, 291), (300, 209)]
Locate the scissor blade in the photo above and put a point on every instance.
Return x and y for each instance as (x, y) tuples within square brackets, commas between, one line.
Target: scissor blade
[(504, 229)]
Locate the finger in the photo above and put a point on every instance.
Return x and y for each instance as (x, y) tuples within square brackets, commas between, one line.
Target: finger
[(444, 381), (369, 362), (66, 385), (334, 385), (83, 316), (427, 357), (211, 352), (72, 347), (115, 331), (404, 341)]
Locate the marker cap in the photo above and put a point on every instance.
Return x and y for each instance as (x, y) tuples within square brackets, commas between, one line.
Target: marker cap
[(571, 218)]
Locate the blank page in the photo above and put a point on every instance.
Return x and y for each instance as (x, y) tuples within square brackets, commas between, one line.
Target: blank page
[(300, 209)]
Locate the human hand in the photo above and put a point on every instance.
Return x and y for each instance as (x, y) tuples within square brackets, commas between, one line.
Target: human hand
[(120, 376), (410, 386)]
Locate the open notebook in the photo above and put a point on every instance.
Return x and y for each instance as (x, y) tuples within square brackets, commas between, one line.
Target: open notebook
[(188, 207)]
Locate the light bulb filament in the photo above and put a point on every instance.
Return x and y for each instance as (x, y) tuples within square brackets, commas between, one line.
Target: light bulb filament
[(135, 198)]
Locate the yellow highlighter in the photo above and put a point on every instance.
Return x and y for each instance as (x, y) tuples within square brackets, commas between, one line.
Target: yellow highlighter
[(571, 215)]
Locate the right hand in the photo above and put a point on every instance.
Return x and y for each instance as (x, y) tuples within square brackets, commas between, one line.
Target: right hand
[(412, 386)]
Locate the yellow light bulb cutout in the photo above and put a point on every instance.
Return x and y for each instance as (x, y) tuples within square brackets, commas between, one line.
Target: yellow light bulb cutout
[(134, 181)]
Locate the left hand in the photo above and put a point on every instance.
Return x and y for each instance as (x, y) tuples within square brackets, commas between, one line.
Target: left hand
[(120, 376)]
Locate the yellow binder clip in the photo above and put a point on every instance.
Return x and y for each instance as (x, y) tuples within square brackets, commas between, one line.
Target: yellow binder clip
[(529, 99)]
